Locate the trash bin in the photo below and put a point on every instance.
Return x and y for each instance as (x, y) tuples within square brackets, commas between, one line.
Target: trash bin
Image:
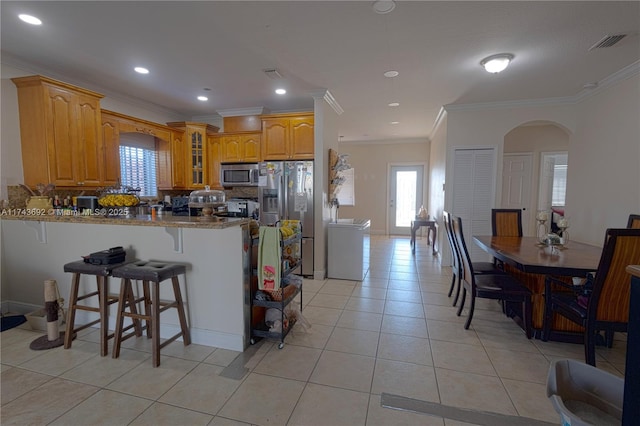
[(584, 395)]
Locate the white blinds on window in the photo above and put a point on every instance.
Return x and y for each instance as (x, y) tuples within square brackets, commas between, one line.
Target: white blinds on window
[(138, 169)]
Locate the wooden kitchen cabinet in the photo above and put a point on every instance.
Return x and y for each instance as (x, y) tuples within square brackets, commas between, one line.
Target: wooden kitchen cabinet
[(214, 154), (240, 148), (115, 126), (288, 137), (111, 142), (61, 132), (196, 166)]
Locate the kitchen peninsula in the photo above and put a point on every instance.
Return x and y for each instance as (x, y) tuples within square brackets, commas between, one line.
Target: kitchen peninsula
[(216, 253)]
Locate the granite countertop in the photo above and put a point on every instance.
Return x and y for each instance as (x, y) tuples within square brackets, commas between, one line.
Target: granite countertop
[(143, 220)]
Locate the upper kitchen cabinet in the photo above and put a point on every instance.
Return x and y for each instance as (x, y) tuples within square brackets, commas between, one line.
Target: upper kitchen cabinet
[(214, 154), (287, 137), (117, 127), (195, 151), (60, 128), (240, 148)]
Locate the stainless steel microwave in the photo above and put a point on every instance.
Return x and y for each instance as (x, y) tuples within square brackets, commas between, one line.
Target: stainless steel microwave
[(239, 174)]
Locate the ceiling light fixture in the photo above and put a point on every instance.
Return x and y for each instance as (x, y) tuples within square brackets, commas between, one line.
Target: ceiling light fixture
[(383, 6), (203, 98), (496, 63), (395, 122), (394, 104), (281, 91), (29, 19), (391, 73), (141, 70)]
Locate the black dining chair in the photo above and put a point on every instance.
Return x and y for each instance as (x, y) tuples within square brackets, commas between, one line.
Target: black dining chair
[(478, 267), (501, 287), (602, 303), (634, 221)]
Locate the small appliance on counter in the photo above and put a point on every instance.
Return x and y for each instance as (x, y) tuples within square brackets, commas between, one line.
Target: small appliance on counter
[(180, 206), (85, 202), (241, 207)]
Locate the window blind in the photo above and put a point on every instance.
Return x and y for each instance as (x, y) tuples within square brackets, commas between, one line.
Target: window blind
[(138, 169)]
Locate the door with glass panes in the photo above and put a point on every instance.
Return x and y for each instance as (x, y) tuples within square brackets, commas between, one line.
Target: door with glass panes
[(405, 197)]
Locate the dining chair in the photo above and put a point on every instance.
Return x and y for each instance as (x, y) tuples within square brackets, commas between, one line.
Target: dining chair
[(602, 303), (478, 267), (501, 286), (634, 221), (505, 223)]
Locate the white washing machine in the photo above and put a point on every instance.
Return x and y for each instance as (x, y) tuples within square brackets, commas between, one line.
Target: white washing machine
[(348, 257)]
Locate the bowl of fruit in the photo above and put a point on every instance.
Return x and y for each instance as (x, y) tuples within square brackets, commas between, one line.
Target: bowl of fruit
[(119, 201)]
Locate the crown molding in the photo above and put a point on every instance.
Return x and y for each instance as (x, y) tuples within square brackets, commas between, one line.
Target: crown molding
[(442, 113), (623, 74), (387, 141), (328, 98), (235, 112)]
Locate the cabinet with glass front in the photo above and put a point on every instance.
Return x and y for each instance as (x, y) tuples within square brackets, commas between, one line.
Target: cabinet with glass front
[(196, 166)]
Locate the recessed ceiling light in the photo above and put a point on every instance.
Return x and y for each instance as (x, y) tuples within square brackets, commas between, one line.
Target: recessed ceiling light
[(496, 63), (203, 98), (391, 73), (395, 122), (394, 104), (384, 6), (29, 19), (141, 70), (281, 91)]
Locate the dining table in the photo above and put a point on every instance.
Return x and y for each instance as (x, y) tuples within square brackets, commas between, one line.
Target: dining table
[(530, 262)]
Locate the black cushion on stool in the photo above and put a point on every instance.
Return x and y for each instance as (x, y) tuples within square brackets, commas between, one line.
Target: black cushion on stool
[(149, 271), (81, 267)]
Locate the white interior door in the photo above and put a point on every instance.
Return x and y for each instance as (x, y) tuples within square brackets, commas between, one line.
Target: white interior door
[(474, 180), (405, 197), (516, 186)]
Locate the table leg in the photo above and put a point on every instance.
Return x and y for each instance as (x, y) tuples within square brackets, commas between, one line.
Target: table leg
[(435, 238), (412, 242)]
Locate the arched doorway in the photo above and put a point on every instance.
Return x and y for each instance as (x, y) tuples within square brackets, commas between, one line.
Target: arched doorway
[(532, 145)]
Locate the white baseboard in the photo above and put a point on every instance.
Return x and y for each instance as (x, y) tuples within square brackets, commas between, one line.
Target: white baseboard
[(19, 307)]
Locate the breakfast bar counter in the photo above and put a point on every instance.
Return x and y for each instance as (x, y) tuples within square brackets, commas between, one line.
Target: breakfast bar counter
[(35, 248)]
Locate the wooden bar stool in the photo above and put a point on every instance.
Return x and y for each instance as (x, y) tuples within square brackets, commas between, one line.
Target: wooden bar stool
[(102, 273), (155, 273)]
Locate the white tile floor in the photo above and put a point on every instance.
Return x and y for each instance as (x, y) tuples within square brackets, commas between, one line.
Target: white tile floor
[(396, 332)]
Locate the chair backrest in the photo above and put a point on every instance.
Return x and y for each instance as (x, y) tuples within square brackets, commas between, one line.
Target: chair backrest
[(446, 216), (506, 222), (634, 221), (465, 259), (609, 300)]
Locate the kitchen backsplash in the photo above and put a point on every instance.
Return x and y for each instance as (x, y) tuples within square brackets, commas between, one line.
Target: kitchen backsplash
[(18, 196)]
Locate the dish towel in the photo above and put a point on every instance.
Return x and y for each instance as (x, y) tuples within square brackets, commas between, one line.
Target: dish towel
[(269, 258)]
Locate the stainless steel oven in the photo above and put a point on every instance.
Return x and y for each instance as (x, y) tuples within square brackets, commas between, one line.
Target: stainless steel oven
[(239, 174)]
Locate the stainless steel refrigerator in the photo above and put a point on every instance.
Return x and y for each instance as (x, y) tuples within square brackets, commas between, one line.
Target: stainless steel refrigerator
[(285, 192)]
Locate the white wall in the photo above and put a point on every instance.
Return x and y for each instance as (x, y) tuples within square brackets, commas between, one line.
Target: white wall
[(326, 137), (604, 151), (437, 181), (370, 163), (603, 181)]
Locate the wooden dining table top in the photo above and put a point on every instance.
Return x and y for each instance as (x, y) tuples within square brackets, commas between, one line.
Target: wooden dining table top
[(525, 254)]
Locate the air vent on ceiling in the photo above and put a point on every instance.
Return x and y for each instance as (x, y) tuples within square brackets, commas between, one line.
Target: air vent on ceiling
[(608, 41), (273, 73)]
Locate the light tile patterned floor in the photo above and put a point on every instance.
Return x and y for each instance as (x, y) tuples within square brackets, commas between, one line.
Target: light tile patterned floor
[(396, 332)]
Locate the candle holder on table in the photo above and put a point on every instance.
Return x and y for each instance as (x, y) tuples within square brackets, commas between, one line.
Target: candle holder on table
[(542, 230)]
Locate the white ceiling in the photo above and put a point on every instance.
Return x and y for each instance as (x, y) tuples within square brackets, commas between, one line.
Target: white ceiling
[(339, 46)]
